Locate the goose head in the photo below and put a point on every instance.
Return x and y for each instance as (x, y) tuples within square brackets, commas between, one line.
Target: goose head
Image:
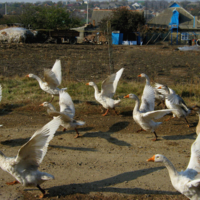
[(142, 75), (156, 158), (131, 96), (90, 84), (45, 104), (30, 75)]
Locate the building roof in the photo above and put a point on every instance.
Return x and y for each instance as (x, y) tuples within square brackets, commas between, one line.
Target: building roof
[(98, 15), (186, 20)]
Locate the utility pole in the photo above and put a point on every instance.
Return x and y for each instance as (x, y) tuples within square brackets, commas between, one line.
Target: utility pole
[(5, 8), (87, 2), (110, 49)]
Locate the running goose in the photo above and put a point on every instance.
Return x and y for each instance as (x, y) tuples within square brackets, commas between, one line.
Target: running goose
[(186, 182), (174, 101), (108, 89), (24, 167), (52, 77), (144, 114), (67, 112)]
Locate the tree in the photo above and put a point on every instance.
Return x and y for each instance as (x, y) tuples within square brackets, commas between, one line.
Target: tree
[(47, 17), (123, 20)]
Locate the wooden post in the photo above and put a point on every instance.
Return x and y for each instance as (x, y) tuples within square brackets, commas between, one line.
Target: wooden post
[(110, 49)]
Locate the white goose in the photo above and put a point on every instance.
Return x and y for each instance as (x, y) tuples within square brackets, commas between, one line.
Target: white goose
[(158, 96), (144, 114), (67, 112), (24, 167), (53, 78), (186, 182), (108, 89), (174, 101)]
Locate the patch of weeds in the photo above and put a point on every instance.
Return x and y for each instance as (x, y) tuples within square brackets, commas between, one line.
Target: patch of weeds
[(32, 84)]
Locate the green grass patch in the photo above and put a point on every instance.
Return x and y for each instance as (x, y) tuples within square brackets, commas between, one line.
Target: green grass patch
[(23, 90)]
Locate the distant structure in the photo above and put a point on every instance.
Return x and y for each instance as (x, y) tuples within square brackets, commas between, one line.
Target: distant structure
[(5, 8)]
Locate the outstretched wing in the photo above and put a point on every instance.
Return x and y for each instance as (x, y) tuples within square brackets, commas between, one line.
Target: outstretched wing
[(0, 93), (109, 85), (148, 99), (195, 155), (33, 152), (66, 104), (156, 114), (50, 78), (57, 71)]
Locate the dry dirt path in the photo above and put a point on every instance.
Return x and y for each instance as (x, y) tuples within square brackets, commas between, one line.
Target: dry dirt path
[(107, 162)]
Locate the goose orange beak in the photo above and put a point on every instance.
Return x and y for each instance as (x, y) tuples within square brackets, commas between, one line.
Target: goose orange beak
[(160, 87), (152, 159), (87, 84), (27, 75), (41, 104), (139, 75), (127, 96)]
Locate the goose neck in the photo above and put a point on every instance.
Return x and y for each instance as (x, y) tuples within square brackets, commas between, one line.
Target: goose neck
[(170, 167), (96, 91), (137, 104), (147, 80)]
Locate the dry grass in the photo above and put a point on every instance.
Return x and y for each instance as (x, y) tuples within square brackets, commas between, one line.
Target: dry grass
[(26, 92)]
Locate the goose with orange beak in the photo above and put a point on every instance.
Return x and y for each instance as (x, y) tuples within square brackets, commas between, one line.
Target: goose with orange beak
[(53, 78), (186, 182), (144, 114), (67, 112), (108, 89), (174, 101)]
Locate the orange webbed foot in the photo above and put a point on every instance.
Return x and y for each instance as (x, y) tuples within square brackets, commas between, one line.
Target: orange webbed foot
[(12, 183)]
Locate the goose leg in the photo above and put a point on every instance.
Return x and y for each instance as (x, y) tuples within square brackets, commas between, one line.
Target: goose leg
[(140, 130), (187, 122), (169, 118), (105, 113), (12, 183), (42, 190), (52, 98), (159, 103), (115, 111), (155, 136), (77, 133), (64, 129)]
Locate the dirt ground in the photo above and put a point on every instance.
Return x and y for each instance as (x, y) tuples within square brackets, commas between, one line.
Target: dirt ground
[(109, 160)]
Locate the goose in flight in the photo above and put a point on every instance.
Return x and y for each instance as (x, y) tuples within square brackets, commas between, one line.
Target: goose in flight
[(67, 112), (24, 167), (186, 182), (108, 89), (174, 101), (52, 77)]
